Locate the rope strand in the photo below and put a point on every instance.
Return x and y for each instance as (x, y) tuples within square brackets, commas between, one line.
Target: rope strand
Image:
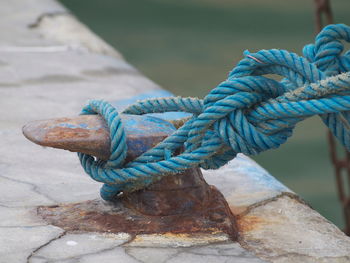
[(248, 113)]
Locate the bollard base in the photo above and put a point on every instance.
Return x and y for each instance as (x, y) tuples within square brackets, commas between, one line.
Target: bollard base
[(101, 216)]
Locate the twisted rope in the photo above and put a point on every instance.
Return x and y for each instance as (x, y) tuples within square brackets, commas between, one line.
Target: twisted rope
[(247, 113)]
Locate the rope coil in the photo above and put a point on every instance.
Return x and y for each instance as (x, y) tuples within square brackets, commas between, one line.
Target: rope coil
[(247, 113)]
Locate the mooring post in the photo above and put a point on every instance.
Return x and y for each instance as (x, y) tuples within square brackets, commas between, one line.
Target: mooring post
[(181, 203)]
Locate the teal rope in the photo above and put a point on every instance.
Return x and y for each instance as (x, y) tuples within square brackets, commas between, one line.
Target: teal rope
[(247, 113)]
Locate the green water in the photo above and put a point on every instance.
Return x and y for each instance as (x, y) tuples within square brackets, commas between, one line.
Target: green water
[(188, 47)]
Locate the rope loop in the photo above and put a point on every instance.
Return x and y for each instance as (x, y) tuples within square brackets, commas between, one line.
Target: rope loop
[(248, 113)]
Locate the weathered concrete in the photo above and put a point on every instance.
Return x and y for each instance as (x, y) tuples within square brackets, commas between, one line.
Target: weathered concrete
[(284, 230), (74, 246), (48, 72), (19, 216), (223, 252), (69, 30), (18, 243), (244, 183)]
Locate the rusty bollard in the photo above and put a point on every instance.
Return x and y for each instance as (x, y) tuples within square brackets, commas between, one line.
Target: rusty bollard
[(182, 203)]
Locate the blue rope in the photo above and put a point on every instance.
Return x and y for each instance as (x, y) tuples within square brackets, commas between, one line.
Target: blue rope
[(247, 113)]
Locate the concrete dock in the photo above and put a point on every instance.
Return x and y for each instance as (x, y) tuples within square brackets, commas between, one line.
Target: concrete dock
[(50, 65)]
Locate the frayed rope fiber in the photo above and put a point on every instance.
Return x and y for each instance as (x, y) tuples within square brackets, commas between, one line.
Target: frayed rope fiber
[(247, 113)]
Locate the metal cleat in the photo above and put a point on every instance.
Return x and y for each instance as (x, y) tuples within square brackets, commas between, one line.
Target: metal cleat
[(181, 203)]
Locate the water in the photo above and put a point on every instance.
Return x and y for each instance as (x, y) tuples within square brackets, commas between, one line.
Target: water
[(189, 46)]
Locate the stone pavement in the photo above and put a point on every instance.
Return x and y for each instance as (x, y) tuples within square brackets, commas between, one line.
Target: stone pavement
[(50, 65)]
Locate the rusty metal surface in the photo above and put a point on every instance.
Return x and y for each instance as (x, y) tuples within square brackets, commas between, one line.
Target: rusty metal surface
[(342, 177), (322, 7), (89, 134), (183, 203), (172, 195), (178, 208)]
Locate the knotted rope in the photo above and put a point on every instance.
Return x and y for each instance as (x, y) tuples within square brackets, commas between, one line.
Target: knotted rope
[(247, 113)]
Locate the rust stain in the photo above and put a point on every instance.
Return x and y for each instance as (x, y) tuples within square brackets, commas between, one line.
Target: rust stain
[(65, 133), (214, 236), (249, 223), (182, 210), (90, 134), (237, 210), (87, 216)]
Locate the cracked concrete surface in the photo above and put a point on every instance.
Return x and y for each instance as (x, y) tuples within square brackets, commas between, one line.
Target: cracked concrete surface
[(17, 243), (50, 66), (284, 227), (68, 30), (75, 246), (250, 185), (110, 248), (223, 252)]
